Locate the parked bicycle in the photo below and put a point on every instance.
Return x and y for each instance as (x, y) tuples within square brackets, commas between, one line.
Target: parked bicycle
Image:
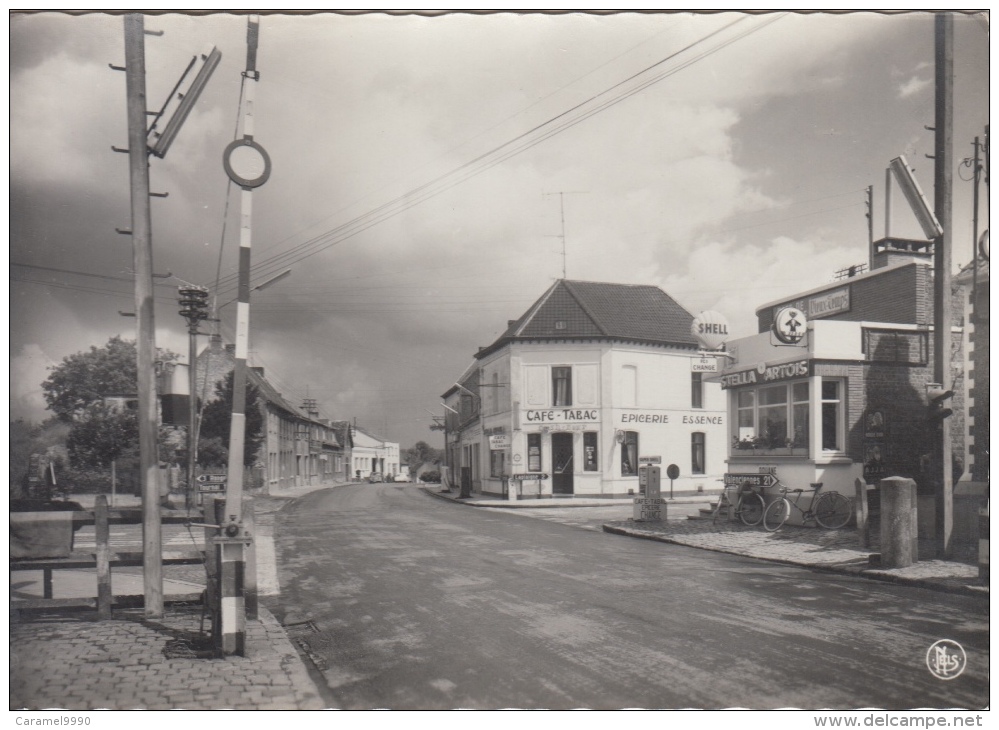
[(748, 505), (831, 510)]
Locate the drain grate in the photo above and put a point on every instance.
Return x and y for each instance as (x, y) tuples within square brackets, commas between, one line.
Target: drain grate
[(300, 633)]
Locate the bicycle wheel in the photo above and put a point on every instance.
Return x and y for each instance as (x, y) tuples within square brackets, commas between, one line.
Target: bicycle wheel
[(833, 510), (751, 509), (776, 515)]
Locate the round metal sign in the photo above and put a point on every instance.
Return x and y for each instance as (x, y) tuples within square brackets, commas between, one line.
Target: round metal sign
[(710, 329), (672, 471), (789, 325), (246, 163)]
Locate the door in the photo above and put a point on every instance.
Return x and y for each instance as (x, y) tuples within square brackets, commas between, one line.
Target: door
[(562, 466)]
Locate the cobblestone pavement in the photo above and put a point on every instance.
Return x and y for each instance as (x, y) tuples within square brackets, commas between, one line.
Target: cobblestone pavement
[(78, 663), (71, 661)]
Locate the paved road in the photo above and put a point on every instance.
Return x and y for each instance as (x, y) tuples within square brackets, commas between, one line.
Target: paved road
[(409, 602)]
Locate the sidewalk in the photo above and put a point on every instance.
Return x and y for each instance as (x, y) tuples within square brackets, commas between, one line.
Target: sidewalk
[(830, 550), (71, 661)]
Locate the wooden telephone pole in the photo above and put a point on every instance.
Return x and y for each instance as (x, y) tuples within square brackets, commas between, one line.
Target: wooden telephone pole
[(145, 344), (942, 319)]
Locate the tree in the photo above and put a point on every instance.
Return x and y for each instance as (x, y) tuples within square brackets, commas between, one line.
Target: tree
[(422, 453), (216, 421), (102, 434), (85, 378)]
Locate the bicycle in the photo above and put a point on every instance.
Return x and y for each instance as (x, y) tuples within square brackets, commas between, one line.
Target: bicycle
[(749, 506), (832, 510)]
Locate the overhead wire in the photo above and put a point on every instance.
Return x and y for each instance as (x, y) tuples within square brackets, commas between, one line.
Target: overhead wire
[(483, 162)]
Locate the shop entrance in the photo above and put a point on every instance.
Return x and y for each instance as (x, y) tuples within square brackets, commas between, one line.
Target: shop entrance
[(562, 463)]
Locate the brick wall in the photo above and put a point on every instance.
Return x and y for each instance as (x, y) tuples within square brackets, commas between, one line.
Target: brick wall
[(903, 295)]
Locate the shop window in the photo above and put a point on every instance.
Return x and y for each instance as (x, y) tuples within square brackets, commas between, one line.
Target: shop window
[(534, 452), (697, 453), (696, 390), (561, 386), (590, 451), (832, 412), (629, 454), (773, 419), (497, 462)]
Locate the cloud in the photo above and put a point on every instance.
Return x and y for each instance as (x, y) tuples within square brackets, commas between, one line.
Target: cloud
[(28, 369), (913, 86)]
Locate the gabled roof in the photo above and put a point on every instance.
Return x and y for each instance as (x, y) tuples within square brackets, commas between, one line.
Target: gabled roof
[(968, 273), (591, 309)]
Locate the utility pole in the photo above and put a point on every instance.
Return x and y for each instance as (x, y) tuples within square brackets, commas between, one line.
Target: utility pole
[(194, 308), (942, 321), (145, 344), (870, 216)]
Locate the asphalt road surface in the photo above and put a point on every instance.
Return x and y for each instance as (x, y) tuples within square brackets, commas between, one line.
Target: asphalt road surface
[(405, 601)]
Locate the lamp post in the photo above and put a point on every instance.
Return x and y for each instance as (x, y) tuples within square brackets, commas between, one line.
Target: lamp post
[(194, 308)]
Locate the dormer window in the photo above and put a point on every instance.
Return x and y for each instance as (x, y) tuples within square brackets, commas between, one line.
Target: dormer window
[(560, 324)]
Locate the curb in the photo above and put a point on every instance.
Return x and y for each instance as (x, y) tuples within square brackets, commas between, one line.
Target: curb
[(550, 503), (977, 591)]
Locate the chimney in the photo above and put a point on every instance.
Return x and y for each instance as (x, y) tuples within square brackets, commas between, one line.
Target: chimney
[(892, 250), (215, 342)]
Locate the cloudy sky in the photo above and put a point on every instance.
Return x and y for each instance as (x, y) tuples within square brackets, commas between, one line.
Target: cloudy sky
[(417, 166)]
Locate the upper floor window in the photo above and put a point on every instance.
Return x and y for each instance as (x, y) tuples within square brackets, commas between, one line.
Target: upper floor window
[(696, 390), (561, 386)]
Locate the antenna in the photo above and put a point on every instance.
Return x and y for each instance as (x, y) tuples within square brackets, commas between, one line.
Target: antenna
[(561, 200)]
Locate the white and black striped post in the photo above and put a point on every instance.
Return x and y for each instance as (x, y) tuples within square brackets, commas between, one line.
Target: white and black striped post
[(248, 165)]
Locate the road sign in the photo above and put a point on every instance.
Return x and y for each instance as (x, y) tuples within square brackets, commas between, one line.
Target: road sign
[(672, 471), (213, 487), (650, 460), (755, 480), (213, 478), (529, 476)]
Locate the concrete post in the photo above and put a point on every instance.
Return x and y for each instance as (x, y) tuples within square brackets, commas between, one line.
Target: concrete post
[(899, 534)]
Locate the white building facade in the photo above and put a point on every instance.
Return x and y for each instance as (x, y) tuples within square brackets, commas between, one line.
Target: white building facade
[(373, 455), (592, 381)]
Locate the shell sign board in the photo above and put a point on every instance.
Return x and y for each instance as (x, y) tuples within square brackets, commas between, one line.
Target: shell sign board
[(710, 329)]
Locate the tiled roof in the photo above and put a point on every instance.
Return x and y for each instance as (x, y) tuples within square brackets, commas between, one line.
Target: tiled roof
[(590, 309)]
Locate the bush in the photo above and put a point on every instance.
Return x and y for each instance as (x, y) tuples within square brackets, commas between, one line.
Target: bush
[(431, 477)]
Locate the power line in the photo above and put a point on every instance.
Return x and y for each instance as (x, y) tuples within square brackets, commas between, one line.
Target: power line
[(482, 162)]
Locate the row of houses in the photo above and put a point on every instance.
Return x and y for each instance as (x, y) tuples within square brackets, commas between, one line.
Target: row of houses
[(300, 448), (597, 378)]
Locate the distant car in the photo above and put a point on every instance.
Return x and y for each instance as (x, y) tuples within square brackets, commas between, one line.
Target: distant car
[(401, 478), (375, 478)]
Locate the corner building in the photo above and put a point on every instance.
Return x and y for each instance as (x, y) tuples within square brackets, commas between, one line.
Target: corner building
[(849, 401), (592, 379)]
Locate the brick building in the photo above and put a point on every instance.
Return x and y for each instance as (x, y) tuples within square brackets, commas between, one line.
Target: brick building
[(299, 447), (849, 400)]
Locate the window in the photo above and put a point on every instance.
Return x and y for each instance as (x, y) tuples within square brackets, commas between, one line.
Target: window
[(697, 453), (831, 410), (629, 454), (589, 451), (562, 386), (772, 416), (898, 347), (696, 390), (534, 452), (773, 419), (496, 463)]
